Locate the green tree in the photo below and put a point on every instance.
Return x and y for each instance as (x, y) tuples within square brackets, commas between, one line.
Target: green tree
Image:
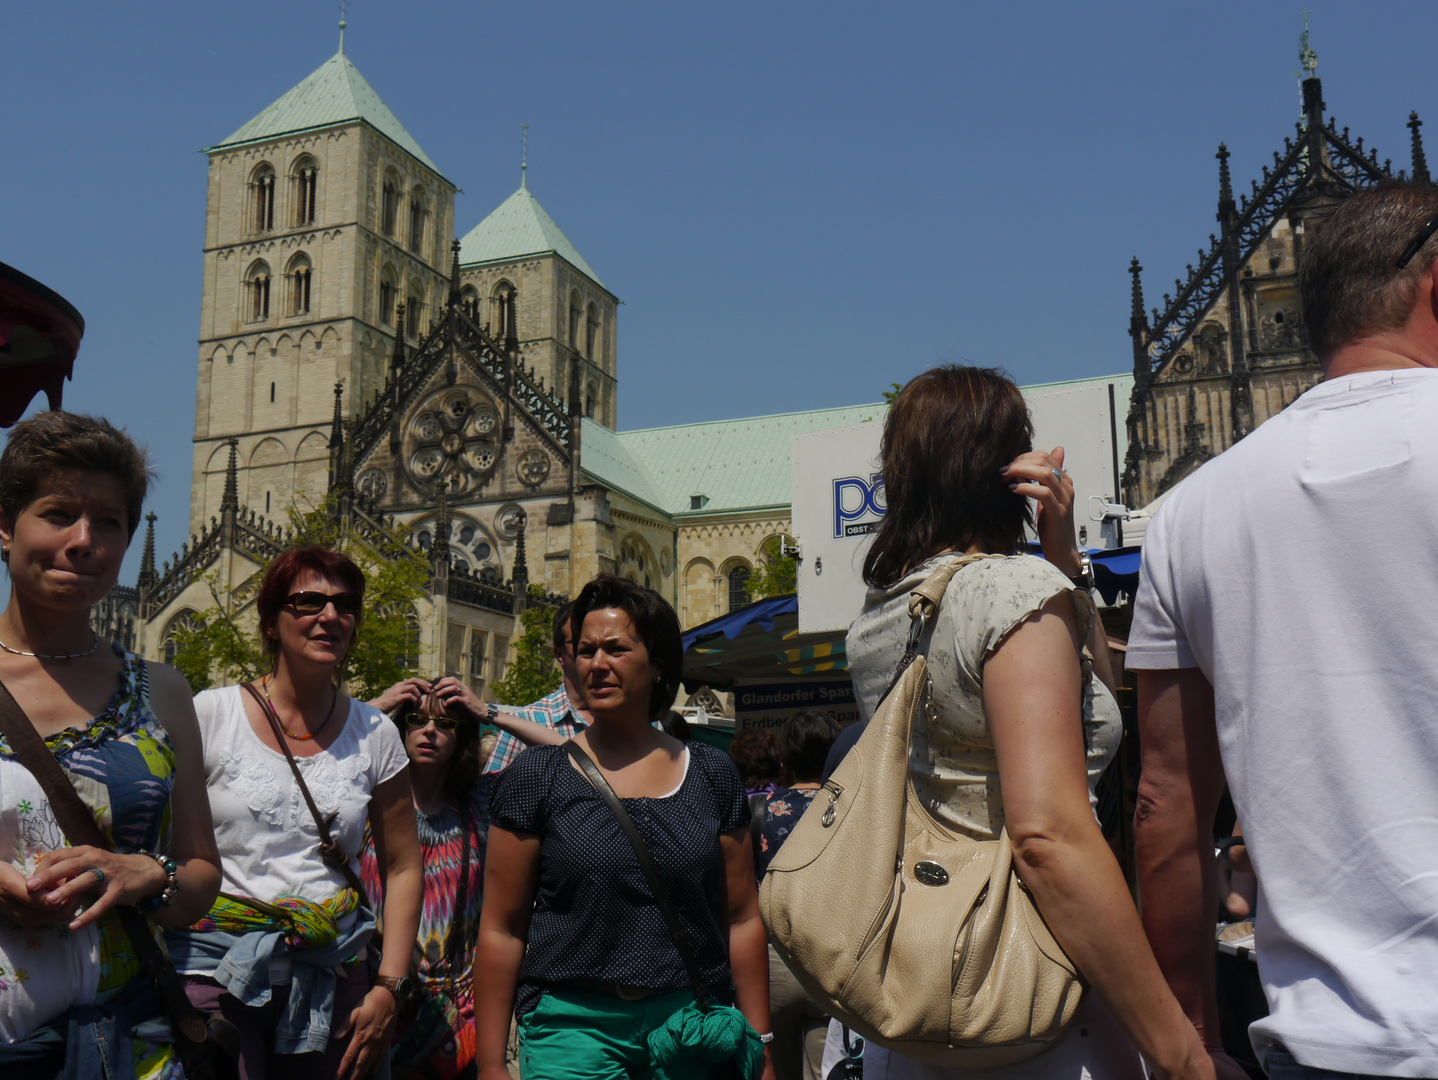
[(533, 674), (893, 392), (223, 644), (774, 573)]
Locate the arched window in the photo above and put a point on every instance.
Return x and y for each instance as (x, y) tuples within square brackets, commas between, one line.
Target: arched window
[(574, 320), (300, 274), (414, 312), (262, 198), (418, 212), (388, 295), (469, 301), (181, 623), (389, 204), (591, 400), (738, 588), (257, 291), (591, 330), (499, 301), (304, 183)]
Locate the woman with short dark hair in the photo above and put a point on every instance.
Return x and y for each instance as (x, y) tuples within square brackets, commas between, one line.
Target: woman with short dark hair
[(1024, 718), (283, 952), (571, 931), (124, 733)]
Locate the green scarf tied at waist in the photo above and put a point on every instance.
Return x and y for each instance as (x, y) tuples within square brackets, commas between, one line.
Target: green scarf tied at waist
[(713, 1035), (305, 924)]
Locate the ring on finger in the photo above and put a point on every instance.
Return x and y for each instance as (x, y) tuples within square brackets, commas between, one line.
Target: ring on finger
[(1058, 475), (99, 877)]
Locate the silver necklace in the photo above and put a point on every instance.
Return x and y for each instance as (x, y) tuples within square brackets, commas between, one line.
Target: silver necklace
[(55, 656)]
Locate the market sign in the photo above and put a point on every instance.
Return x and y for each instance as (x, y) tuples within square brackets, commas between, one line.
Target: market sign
[(766, 706)]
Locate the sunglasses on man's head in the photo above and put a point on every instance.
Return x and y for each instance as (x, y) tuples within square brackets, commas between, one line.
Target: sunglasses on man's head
[(442, 723), (312, 603)]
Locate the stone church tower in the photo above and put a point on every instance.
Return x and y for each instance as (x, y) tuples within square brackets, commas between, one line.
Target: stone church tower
[(324, 220), (1228, 350)]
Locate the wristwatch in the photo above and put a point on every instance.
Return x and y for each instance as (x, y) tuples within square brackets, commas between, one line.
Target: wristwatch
[(491, 712), (1084, 578), (401, 986)]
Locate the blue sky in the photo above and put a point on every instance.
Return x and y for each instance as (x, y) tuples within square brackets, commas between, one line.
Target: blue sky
[(799, 202)]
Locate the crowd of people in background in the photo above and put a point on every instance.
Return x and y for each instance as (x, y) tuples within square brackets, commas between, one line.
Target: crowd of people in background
[(428, 885)]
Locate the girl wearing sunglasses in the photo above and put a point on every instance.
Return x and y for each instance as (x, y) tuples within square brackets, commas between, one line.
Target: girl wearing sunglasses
[(286, 952), (434, 1035)]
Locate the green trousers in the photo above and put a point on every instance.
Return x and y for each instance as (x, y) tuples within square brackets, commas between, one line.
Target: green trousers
[(588, 1035)]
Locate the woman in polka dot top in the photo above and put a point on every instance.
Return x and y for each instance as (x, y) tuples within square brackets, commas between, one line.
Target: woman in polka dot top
[(571, 940)]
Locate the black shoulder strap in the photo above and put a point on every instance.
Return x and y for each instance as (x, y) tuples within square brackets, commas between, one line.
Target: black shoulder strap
[(79, 826), (646, 864)]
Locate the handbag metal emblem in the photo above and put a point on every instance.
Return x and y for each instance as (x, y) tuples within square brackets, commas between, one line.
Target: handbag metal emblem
[(830, 813), (931, 873)]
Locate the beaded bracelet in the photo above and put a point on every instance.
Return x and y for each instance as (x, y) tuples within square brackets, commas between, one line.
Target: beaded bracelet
[(172, 884)]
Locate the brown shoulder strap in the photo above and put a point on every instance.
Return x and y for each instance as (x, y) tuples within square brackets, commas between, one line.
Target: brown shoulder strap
[(80, 828), (331, 853)]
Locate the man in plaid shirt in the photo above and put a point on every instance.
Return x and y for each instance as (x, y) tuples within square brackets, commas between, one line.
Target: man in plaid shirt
[(555, 711)]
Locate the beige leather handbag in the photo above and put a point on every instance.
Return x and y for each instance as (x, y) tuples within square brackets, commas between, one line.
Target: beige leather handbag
[(918, 938)]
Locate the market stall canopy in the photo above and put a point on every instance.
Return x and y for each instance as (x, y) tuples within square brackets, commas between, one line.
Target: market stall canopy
[(760, 641), (40, 334), (1115, 570)]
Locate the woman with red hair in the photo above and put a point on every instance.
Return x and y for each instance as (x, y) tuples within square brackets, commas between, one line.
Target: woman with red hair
[(295, 769)]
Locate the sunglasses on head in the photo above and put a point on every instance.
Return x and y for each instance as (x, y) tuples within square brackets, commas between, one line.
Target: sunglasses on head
[(441, 723), (312, 603)]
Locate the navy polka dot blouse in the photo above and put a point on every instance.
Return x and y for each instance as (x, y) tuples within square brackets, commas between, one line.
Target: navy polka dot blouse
[(595, 920)]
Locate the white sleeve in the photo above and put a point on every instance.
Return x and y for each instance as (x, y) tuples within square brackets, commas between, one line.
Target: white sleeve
[(209, 706), (387, 749), (1157, 639)]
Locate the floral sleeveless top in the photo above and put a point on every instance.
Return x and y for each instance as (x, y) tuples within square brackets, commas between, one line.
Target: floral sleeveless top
[(122, 767)]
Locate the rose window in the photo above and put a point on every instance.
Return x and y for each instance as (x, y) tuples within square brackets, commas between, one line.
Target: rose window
[(452, 437)]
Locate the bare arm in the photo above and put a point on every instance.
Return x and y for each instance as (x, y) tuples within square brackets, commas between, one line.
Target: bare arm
[(1032, 684), (64, 880), (396, 845), (458, 697), (1178, 796), (511, 879), (748, 944)]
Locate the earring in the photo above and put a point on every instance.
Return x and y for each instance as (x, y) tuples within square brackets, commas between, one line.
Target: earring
[(5, 555)]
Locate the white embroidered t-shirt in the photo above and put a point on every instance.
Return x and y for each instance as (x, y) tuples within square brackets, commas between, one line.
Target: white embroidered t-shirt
[(268, 841)]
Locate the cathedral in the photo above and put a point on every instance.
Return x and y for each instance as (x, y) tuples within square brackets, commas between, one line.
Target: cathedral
[(1228, 349), (460, 391)]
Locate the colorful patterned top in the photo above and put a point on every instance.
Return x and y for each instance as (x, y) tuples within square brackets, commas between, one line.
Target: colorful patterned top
[(435, 1035), (123, 768), (785, 807), (553, 711)]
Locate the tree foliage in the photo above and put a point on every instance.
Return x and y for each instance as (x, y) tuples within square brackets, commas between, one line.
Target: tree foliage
[(774, 573), (223, 644), (533, 674), (893, 392)]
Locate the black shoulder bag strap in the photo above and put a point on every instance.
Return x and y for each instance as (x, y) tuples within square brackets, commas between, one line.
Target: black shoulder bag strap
[(647, 865), (331, 853), (188, 1025)]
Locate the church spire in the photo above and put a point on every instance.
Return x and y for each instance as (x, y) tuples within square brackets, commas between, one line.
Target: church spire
[(147, 577), (1225, 182), (231, 498), (396, 361), (1138, 325), (1420, 163), (524, 159), (337, 438), (454, 272)]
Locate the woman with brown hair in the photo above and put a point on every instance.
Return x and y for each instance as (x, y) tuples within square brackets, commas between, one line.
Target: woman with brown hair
[(296, 769), (123, 731), (1024, 719), (434, 1035)]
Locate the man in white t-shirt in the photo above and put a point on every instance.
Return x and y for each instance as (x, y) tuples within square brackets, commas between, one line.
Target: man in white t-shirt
[(1286, 635)]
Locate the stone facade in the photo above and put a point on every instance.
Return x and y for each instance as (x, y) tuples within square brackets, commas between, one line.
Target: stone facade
[(1229, 350)]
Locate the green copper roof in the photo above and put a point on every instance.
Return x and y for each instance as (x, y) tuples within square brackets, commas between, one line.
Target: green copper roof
[(733, 464), (519, 227), (333, 93)]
